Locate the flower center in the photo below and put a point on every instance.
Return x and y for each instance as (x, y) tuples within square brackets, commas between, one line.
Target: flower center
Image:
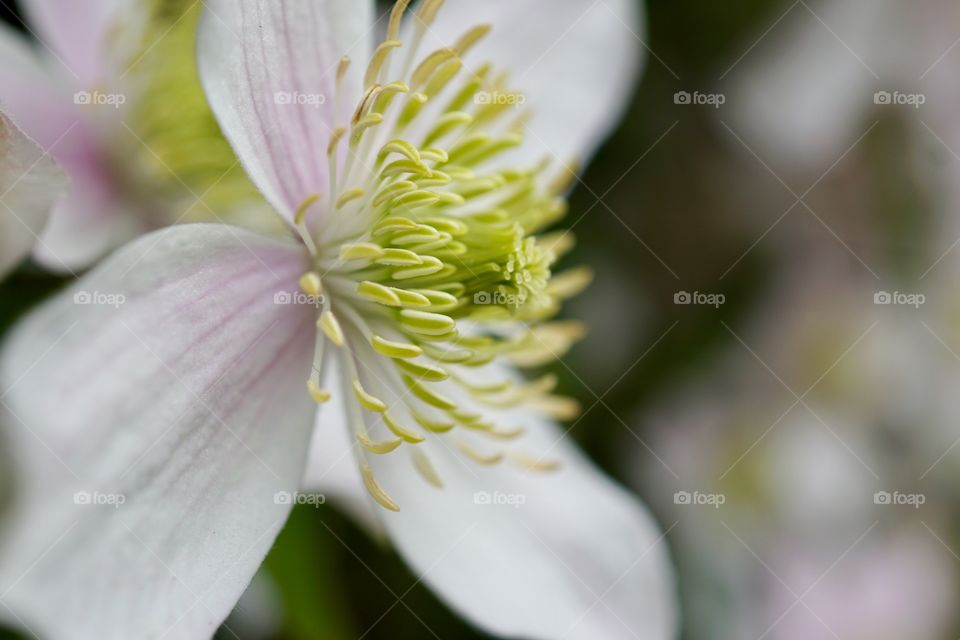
[(428, 260)]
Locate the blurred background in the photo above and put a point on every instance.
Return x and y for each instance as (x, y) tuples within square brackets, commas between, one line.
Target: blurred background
[(774, 356)]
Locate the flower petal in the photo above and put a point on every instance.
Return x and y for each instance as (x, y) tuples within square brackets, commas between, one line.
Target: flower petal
[(88, 223), (77, 34), (579, 558), (30, 184), (564, 553), (160, 406), (270, 73), (575, 62), (36, 97)]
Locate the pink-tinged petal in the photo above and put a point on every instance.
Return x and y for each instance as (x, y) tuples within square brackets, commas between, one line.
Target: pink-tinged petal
[(78, 34), (39, 99), (159, 408), (269, 69), (576, 63), (30, 185)]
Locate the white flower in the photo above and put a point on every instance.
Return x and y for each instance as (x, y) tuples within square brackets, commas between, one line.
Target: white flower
[(111, 93), (416, 200)]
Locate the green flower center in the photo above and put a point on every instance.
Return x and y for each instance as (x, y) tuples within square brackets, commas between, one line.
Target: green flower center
[(428, 259)]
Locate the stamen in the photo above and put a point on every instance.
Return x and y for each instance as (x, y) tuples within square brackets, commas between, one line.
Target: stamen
[(330, 326), (422, 463), (375, 490), (487, 460), (319, 395), (366, 400), (380, 448)]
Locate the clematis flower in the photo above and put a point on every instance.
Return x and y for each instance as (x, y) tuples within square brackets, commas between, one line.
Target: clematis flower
[(166, 430), (111, 93), (30, 184)]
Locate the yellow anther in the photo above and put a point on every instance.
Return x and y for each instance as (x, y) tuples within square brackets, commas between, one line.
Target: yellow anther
[(570, 283), (335, 138), (421, 371), (422, 463), (376, 61), (435, 426), (360, 251), (396, 17), (366, 400), (428, 11), (304, 207), (471, 37), (392, 349), (399, 258), (319, 395), (557, 407), (532, 463), (430, 64), (379, 448), (506, 434), (400, 431), (375, 490), (330, 326), (429, 396), (310, 284), (376, 292), (342, 68), (478, 457), (349, 196)]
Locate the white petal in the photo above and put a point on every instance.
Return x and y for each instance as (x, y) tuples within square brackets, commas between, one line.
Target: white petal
[(188, 400), (520, 553), (30, 184), (89, 222), (269, 70), (579, 558), (576, 63)]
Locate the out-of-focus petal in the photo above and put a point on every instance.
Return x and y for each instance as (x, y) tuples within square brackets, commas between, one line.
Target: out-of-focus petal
[(30, 184), (576, 63), (159, 407)]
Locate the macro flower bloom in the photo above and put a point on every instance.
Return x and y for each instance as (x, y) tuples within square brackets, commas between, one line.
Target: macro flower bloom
[(111, 93), (30, 185), (170, 404)]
